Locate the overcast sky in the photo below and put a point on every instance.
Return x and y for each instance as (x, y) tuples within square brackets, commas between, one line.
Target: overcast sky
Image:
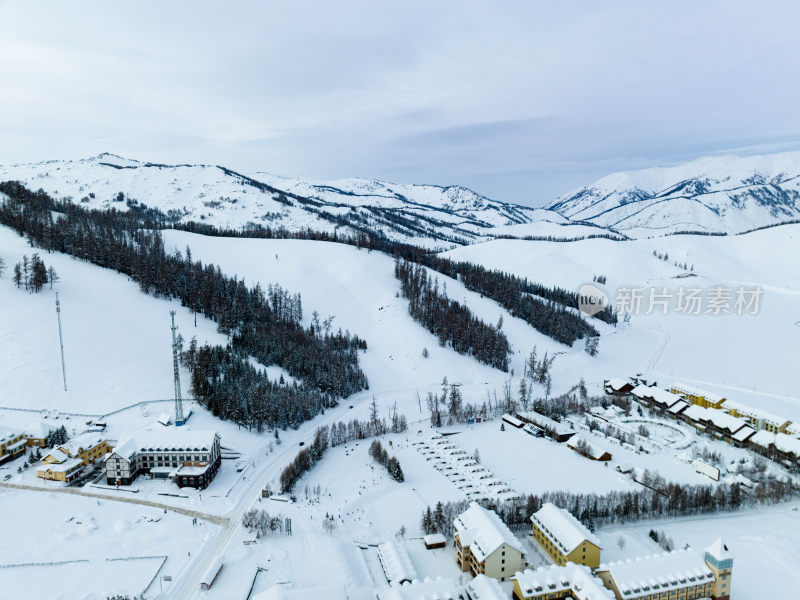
[(521, 101)]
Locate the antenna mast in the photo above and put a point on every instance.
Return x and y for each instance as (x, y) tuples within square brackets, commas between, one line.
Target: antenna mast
[(61, 342), (179, 420)]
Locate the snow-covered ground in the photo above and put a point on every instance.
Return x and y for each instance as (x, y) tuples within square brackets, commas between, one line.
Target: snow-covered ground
[(117, 340), (41, 528), (763, 543), (749, 358)]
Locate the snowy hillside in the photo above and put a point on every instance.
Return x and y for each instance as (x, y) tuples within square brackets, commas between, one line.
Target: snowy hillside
[(716, 194), (428, 215), (748, 357)]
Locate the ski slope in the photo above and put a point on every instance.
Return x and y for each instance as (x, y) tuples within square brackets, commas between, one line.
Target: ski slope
[(117, 340)]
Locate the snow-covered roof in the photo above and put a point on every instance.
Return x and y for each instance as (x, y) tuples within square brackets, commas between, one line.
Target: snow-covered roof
[(719, 550), (434, 539), (169, 440), (562, 528), (7, 434), (428, 589), (484, 532), (281, 591), (756, 413), (696, 391), (678, 407), (85, 441), (592, 449), (665, 398), (62, 467), (396, 563), (56, 456), (546, 422), (578, 579), (719, 418), (485, 588), (126, 449), (783, 442), (659, 573), (743, 433), (37, 429), (616, 383)]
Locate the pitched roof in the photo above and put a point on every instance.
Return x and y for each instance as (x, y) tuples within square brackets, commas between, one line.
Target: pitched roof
[(719, 550), (429, 589), (563, 527), (169, 439), (485, 588), (592, 449), (756, 413), (615, 383), (576, 578), (659, 573), (484, 532), (396, 563)]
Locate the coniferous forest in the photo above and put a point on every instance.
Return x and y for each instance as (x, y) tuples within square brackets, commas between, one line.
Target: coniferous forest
[(261, 324), (450, 321), (543, 307)]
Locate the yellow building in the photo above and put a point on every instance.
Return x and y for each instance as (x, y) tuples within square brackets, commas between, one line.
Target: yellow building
[(484, 544), (65, 471), (12, 444), (36, 434), (564, 538), (678, 575), (698, 396), (88, 447), (758, 419), (560, 583)]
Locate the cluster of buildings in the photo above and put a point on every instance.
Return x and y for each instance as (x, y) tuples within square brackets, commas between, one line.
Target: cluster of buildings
[(189, 458), (66, 462), (743, 426), (486, 547)]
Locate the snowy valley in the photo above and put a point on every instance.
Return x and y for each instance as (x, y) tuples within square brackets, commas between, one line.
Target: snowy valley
[(333, 530)]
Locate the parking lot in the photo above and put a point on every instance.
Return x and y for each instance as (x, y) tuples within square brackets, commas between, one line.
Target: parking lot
[(472, 479)]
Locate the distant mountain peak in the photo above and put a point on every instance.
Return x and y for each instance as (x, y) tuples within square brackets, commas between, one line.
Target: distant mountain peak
[(726, 194)]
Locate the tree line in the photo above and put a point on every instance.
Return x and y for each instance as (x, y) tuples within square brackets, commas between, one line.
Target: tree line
[(595, 510), (390, 463), (338, 433), (543, 307), (450, 321), (263, 325)]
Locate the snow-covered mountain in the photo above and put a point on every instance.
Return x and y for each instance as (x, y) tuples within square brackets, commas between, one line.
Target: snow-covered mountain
[(427, 214), (715, 194)]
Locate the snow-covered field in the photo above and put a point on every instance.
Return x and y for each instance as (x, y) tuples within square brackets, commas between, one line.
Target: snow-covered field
[(56, 527), (763, 543), (749, 358)]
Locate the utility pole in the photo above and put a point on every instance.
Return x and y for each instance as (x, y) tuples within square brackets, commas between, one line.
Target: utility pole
[(61, 342), (179, 420)]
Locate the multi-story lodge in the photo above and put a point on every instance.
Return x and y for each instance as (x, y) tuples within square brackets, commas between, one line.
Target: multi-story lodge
[(565, 538), (190, 458), (758, 419), (12, 444), (697, 396), (678, 575), (484, 544), (559, 583)]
